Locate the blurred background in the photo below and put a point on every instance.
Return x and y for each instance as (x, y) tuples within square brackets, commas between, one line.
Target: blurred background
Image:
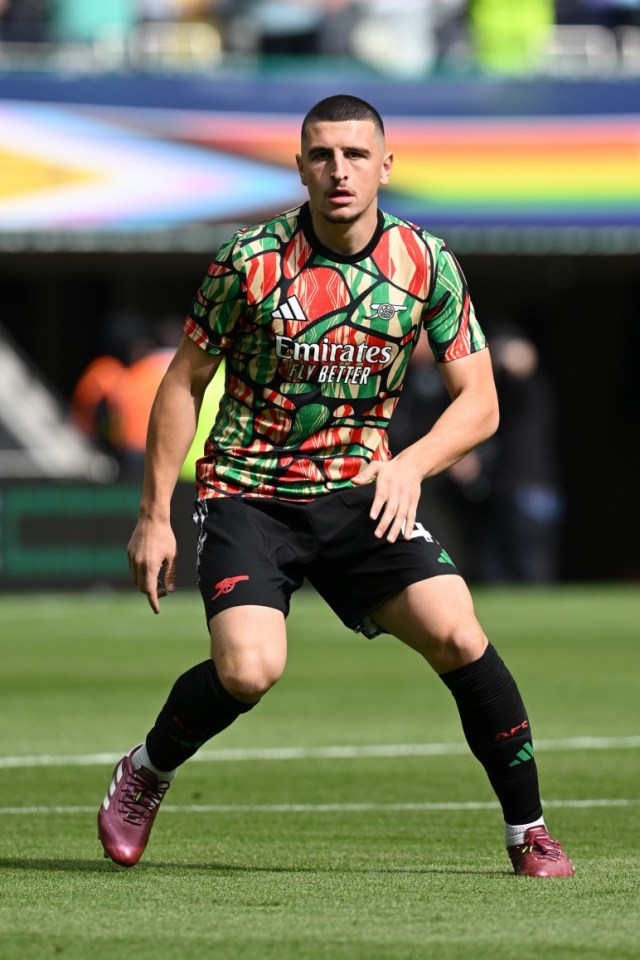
[(136, 135)]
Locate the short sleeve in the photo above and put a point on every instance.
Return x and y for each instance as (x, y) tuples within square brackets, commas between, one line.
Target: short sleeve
[(448, 316), (220, 302)]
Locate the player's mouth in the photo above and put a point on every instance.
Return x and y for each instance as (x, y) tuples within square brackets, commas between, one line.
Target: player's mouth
[(340, 197)]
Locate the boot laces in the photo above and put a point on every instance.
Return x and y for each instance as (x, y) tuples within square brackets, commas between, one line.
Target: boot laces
[(547, 846), (141, 795)]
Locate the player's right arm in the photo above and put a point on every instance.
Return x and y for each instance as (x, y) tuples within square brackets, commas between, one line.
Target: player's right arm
[(172, 425)]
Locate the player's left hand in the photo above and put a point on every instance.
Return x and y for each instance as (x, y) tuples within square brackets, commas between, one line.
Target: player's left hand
[(396, 499)]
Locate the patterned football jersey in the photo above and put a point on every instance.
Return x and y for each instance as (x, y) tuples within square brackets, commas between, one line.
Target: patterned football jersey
[(316, 346)]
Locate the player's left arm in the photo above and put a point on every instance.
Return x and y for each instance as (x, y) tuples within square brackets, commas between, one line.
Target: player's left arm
[(470, 418)]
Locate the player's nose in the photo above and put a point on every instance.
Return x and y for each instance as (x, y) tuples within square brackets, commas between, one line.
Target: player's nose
[(339, 167)]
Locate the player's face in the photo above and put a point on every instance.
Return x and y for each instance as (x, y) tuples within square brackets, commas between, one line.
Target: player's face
[(343, 165)]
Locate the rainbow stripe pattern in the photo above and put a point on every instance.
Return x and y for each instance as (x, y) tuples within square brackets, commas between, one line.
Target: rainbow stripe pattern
[(68, 168)]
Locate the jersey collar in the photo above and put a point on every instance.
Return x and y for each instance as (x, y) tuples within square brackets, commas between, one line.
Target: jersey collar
[(326, 252)]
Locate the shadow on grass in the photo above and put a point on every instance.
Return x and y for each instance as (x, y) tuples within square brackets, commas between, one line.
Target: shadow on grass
[(228, 869)]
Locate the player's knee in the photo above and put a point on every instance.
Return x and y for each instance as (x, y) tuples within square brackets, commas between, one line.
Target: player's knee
[(250, 677), (460, 644)]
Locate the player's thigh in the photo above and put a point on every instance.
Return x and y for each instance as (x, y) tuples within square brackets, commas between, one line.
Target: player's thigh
[(435, 617), (249, 648), (239, 557)]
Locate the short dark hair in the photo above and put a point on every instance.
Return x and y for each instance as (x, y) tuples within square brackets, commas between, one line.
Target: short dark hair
[(342, 107)]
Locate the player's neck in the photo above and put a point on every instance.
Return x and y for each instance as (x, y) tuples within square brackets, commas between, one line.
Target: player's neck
[(345, 238)]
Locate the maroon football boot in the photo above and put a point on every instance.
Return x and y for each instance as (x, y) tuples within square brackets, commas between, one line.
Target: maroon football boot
[(128, 810), (540, 856)]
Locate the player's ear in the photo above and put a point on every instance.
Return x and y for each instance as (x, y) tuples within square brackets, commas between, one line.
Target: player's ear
[(301, 168), (387, 164)]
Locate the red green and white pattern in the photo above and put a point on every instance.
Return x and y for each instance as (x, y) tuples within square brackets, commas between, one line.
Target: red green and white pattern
[(316, 347)]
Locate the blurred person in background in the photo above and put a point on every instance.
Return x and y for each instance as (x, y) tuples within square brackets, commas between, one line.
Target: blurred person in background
[(512, 479), (430, 34), (172, 10), (25, 21), (80, 21), (177, 11), (275, 27), (93, 400), (132, 400), (604, 13), (501, 506), (451, 30), (112, 399), (508, 37), (396, 37), (369, 30)]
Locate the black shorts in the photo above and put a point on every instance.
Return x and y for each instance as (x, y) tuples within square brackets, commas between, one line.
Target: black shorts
[(259, 551)]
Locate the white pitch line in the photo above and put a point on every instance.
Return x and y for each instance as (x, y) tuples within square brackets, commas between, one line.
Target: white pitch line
[(322, 753), (220, 808)]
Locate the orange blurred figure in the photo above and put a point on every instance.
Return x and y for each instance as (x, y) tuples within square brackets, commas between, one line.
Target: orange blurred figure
[(93, 397), (132, 404)]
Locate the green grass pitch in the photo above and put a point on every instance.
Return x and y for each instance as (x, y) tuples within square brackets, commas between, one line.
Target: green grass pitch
[(274, 846)]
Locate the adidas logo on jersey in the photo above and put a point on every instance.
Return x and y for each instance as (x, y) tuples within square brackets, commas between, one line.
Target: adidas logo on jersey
[(289, 310)]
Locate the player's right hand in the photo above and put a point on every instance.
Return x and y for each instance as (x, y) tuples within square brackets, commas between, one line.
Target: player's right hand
[(152, 552)]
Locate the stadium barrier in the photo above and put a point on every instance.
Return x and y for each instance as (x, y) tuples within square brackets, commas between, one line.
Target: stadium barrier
[(75, 535)]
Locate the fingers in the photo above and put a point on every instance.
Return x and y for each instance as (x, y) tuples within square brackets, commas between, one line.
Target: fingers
[(153, 593), (367, 474), (164, 584), (147, 582), (155, 582), (395, 503), (152, 555), (392, 522), (169, 575), (395, 513)]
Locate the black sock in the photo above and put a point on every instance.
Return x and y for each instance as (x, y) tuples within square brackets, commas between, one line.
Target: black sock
[(198, 707), (496, 726)]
